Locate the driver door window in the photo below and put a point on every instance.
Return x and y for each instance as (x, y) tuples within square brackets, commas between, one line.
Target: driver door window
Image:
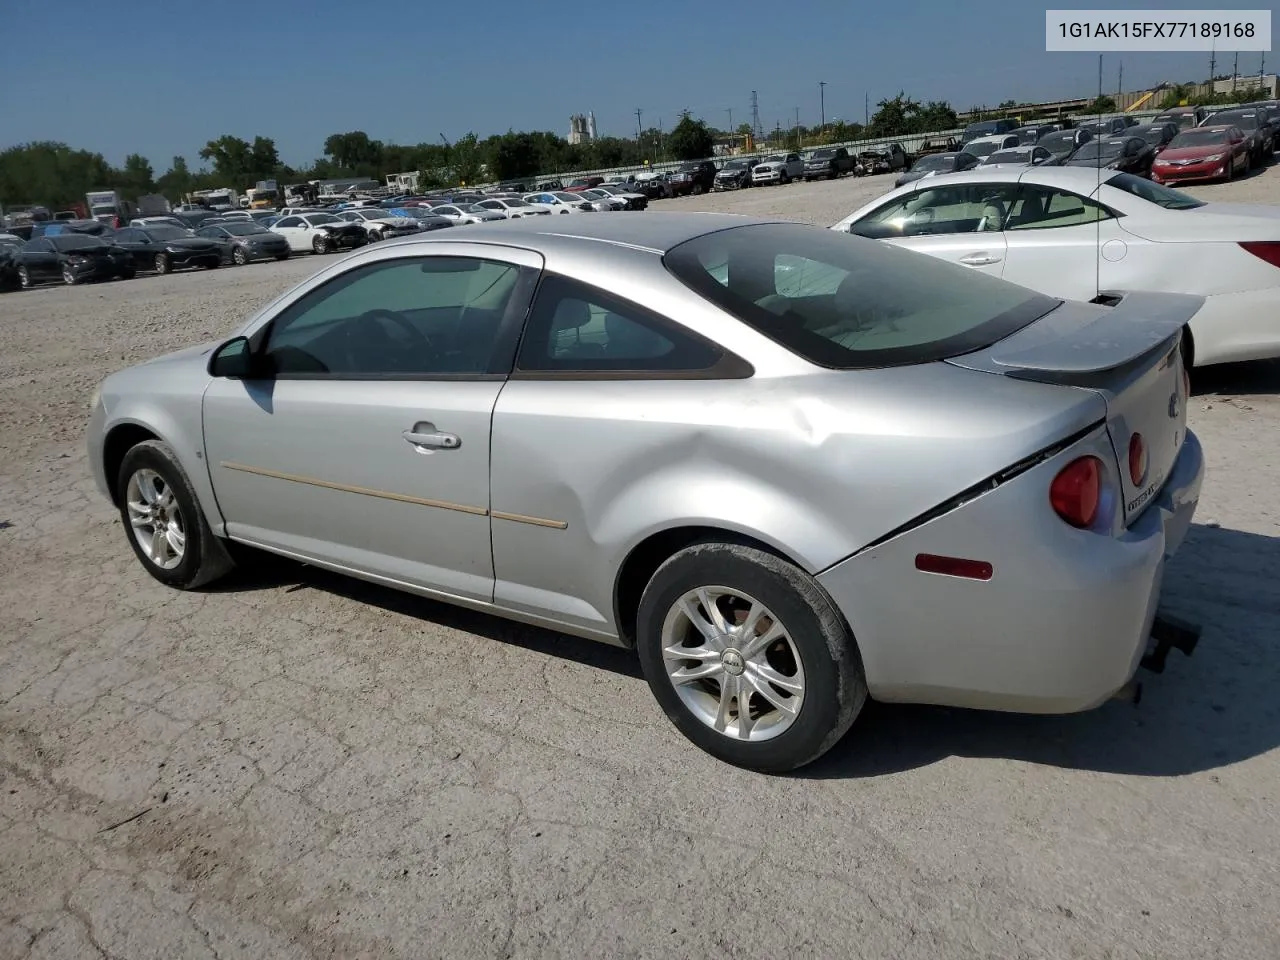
[(932, 211), (421, 317)]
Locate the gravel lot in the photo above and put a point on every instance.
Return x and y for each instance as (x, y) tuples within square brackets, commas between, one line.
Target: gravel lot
[(296, 765)]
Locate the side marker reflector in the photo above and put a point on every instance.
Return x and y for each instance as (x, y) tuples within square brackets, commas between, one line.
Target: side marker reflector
[(954, 566)]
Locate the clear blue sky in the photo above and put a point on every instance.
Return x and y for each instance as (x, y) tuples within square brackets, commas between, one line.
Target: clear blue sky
[(162, 77)]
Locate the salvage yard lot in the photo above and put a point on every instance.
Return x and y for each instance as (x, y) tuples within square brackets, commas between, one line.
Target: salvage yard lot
[(320, 767)]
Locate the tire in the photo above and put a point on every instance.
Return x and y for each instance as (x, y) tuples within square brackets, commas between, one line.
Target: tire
[(128, 274), (24, 279), (239, 257), (162, 263), (69, 276), (202, 557), (816, 650), (212, 264), (698, 190), (320, 244), (282, 256)]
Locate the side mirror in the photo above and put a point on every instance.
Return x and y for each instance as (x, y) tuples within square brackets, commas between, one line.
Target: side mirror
[(234, 359)]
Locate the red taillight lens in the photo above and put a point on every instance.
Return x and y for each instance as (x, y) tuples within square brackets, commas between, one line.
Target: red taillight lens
[(1137, 459), (1077, 491), (1268, 250)]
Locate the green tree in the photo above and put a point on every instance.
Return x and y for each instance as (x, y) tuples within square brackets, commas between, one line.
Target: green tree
[(893, 117), (465, 160), (137, 177), (1102, 104), (691, 139), (232, 159), (513, 156), (355, 152), (52, 174), (177, 180), (265, 160)]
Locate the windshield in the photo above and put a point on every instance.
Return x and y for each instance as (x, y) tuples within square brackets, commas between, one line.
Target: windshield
[(1198, 138), (1008, 156), (75, 241), (845, 302), (516, 203), (1245, 121), (734, 165), (244, 229), (321, 218), (1099, 148), (1150, 134), (568, 197), (937, 161), (10, 241), (979, 149), (1056, 141), (1153, 192), (821, 154), (164, 232)]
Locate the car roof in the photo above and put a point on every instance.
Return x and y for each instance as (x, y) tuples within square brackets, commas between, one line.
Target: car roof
[(656, 232), (1082, 180)]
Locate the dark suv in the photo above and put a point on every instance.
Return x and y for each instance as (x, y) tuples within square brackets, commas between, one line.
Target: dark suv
[(828, 162), (696, 177)]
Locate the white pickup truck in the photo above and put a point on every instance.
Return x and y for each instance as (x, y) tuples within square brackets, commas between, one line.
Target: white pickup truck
[(779, 168)]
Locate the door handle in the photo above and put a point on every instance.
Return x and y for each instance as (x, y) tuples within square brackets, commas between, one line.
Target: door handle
[(425, 436), (978, 259)]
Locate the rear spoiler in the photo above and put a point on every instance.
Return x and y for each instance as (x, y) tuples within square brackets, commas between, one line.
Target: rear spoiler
[(1078, 339)]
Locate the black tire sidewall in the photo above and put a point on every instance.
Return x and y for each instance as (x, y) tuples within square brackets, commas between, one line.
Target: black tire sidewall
[(157, 456), (834, 684)]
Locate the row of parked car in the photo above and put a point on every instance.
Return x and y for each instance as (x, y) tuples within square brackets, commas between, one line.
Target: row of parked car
[(1183, 144)]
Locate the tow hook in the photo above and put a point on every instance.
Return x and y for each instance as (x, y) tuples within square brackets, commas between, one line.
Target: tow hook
[(1170, 633)]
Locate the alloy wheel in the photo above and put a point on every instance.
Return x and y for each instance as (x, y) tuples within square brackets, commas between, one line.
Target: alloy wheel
[(68, 275), (239, 256), (155, 519), (24, 278), (733, 663)]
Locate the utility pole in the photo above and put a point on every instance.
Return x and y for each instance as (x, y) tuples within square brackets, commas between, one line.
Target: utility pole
[(822, 104), (1120, 84), (756, 130), (866, 109), (1262, 66), (639, 128), (1235, 72), (1213, 64), (798, 142), (730, 112)]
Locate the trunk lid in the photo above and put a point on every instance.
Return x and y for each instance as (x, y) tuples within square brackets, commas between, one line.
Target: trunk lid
[(1130, 355)]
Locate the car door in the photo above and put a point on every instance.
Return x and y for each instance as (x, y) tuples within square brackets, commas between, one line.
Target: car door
[(961, 223), (130, 240), (39, 259), (1053, 243), (295, 230), (363, 441)]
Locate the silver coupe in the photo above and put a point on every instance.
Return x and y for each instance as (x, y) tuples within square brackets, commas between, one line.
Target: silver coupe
[(791, 468)]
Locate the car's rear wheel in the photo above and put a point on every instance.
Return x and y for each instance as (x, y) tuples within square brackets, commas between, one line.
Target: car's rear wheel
[(24, 279), (164, 522), (320, 244), (162, 263), (697, 190), (239, 257), (748, 656)]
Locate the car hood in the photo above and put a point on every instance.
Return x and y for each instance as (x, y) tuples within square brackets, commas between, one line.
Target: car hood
[(735, 172), (195, 357), (396, 221), (771, 165), (190, 243), (1194, 153), (1092, 162)]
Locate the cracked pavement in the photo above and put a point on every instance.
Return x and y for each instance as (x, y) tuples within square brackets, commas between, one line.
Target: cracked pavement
[(299, 765)]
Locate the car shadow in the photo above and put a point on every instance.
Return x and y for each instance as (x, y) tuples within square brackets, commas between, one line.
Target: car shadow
[(1215, 708), (1234, 379)]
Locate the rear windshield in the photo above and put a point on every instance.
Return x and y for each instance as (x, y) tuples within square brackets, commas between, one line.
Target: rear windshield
[(1154, 193), (75, 241), (936, 161), (1009, 156), (847, 303), (1099, 148), (1055, 140), (981, 149)]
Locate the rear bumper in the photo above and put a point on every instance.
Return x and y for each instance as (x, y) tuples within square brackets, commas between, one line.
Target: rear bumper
[(1233, 327), (1061, 625)]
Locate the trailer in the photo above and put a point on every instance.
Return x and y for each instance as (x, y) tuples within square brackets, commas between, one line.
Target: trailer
[(110, 207)]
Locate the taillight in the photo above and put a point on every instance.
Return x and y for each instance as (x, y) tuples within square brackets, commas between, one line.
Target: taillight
[(1137, 459), (1076, 491), (1268, 250)]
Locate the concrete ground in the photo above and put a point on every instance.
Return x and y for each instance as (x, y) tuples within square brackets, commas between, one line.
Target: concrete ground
[(298, 765)]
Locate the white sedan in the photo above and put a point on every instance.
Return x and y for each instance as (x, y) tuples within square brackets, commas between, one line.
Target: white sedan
[(319, 232), (558, 202), (1060, 231), (461, 215), (511, 207), (380, 224)]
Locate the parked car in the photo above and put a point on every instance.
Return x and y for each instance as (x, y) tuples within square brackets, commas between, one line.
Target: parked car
[(939, 145), (937, 163), (734, 174), (514, 186), (1253, 124), (1128, 154), (655, 186), (10, 246), (631, 199), (561, 202), (603, 200), (71, 258), (778, 168), (960, 492), (158, 221), (1203, 153), (1184, 117), (165, 248), (696, 177), (246, 242), (827, 163), (1046, 228), (987, 128), (381, 224), (550, 186), (431, 219), (1063, 143), (510, 207), (583, 183), (985, 146), (886, 160), (319, 233), (1156, 134), (1020, 156)]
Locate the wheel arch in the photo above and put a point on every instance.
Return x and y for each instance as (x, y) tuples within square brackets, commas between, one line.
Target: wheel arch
[(644, 558), (120, 439)]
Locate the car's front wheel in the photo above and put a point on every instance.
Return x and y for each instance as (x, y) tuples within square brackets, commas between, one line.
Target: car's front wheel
[(24, 279), (69, 275), (239, 257), (162, 263), (164, 522), (320, 244), (748, 656)]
